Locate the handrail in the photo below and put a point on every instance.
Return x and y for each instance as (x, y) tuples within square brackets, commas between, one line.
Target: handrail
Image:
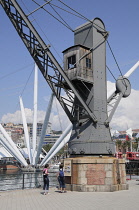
[(25, 180)]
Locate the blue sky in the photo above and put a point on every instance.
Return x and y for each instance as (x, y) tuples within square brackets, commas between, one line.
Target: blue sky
[(16, 64)]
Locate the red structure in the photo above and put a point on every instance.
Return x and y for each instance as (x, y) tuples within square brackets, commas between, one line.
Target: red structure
[(119, 155), (132, 155), (129, 155)]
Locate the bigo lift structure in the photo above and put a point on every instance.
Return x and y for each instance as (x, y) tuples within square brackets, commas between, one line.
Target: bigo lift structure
[(91, 166)]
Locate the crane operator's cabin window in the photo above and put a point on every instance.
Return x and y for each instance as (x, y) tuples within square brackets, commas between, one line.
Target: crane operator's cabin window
[(88, 63), (71, 62)]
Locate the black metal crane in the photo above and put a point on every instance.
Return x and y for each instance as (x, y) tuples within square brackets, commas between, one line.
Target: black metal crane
[(85, 102), (40, 52)]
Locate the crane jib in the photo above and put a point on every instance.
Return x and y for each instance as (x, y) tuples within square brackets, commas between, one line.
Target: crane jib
[(42, 56)]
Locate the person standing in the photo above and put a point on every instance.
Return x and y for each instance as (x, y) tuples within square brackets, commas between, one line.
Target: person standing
[(46, 179), (61, 179)]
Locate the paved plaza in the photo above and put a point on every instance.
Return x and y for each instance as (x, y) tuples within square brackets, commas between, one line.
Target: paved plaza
[(33, 199)]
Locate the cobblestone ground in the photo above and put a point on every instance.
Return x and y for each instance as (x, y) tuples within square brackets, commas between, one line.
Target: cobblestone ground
[(33, 199)]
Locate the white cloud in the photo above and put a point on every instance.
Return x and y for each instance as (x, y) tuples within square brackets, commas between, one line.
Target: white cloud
[(12, 117), (126, 115), (17, 118), (56, 118)]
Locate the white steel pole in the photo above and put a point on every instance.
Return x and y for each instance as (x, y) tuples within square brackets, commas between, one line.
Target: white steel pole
[(68, 129), (25, 130), (61, 145), (12, 151), (45, 125), (5, 134), (126, 75), (8, 151), (34, 139), (132, 70)]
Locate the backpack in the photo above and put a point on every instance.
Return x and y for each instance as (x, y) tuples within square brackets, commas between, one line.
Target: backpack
[(61, 173)]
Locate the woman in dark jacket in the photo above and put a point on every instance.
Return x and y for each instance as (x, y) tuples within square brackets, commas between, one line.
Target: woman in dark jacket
[(61, 179), (46, 179)]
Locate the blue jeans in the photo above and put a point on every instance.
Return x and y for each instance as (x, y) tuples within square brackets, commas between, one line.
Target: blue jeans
[(46, 183), (61, 182)]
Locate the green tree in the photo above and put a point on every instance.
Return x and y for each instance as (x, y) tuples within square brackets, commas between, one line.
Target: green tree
[(135, 144), (125, 146), (47, 147), (118, 144)]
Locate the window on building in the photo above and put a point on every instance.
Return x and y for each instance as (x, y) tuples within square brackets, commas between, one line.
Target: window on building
[(71, 62), (88, 63)]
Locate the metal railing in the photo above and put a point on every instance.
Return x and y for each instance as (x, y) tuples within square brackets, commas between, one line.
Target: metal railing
[(132, 169), (25, 180)]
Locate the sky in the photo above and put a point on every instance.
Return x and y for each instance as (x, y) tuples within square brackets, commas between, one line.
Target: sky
[(17, 66)]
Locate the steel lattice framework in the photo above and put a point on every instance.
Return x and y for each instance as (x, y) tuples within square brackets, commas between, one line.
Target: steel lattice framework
[(46, 62), (87, 108)]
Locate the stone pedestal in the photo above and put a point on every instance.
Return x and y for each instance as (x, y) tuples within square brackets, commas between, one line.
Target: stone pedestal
[(94, 174)]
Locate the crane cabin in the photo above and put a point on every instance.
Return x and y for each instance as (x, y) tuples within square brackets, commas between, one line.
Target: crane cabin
[(78, 63)]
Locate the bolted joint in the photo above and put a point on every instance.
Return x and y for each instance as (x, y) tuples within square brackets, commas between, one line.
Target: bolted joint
[(106, 123)]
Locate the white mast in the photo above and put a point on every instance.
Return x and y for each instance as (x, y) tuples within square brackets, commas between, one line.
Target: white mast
[(10, 141), (130, 71), (61, 138), (34, 139), (12, 150), (65, 141), (25, 130), (45, 125), (129, 132)]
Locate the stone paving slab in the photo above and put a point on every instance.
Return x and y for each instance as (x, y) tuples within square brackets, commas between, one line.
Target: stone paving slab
[(33, 199)]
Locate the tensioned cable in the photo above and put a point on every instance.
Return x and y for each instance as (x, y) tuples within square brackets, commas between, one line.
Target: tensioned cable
[(111, 73), (14, 72), (87, 88), (38, 8), (43, 32), (81, 15), (114, 57), (72, 30), (26, 82), (68, 11), (25, 86), (66, 25), (61, 18), (91, 22), (97, 26), (106, 40), (116, 61)]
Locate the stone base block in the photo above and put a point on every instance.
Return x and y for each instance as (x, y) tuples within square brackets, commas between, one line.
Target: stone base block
[(96, 188), (90, 174)]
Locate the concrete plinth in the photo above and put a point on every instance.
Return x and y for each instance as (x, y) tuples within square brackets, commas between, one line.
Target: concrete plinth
[(88, 174)]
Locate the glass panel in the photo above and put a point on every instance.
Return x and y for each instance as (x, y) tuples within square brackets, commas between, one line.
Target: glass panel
[(88, 63), (71, 62)]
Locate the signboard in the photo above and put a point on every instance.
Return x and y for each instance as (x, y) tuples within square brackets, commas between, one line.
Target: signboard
[(67, 167)]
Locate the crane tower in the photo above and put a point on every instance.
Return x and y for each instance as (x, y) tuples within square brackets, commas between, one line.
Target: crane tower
[(85, 66), (91, 163)]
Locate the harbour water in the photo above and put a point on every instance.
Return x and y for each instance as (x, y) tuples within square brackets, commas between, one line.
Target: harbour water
[(17, 179)]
